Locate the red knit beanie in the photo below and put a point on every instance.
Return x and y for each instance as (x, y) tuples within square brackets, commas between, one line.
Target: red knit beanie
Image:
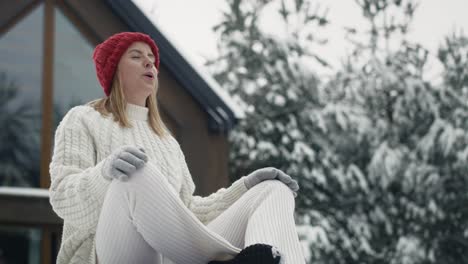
[(107, 55)]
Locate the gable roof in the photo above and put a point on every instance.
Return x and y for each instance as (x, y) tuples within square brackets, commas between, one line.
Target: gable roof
[(223, 112)]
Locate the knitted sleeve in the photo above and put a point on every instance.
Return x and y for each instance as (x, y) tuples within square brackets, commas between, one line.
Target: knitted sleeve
[(208, 208), (77, 188)]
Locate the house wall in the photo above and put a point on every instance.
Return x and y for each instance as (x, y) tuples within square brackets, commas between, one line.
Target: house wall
[(206, 153)]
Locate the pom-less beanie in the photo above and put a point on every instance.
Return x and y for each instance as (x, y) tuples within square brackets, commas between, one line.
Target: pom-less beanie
[(107, 55)]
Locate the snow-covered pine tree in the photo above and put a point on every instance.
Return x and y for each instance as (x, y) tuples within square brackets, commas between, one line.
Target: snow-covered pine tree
[(379, 151), (400, 142), (272, 79)]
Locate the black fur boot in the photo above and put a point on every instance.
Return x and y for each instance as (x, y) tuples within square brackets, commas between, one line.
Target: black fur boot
[(254, 254)]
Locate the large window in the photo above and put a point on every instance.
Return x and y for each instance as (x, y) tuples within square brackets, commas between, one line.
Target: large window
[(21, 49), (46, 68), (75, 80), (21, 89)]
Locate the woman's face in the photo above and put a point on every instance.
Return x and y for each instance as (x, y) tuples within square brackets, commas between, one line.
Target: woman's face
[(137, 73)]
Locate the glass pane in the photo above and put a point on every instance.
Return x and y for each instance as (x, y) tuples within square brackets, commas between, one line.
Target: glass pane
[(75, 80), (20, 101), (20, 245)]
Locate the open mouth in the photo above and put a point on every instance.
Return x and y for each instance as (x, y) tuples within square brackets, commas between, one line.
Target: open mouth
[(149, 75)]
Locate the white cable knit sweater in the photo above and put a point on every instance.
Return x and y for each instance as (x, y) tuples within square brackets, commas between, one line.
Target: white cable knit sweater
[(83, 140)]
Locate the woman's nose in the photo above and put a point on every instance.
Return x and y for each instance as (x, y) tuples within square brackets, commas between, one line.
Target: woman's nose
[(148, 64)]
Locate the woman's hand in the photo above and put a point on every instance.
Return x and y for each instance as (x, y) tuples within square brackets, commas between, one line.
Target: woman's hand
[(270, 173), (123, 162)]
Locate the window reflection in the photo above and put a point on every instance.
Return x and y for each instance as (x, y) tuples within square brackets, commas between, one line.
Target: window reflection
[(21, 52), (75, 79)]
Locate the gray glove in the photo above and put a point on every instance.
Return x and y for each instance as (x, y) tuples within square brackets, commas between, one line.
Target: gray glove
[(270, 173), (123, 162)]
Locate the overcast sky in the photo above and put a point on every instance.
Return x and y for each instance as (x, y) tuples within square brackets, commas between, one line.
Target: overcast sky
[(189, 23)]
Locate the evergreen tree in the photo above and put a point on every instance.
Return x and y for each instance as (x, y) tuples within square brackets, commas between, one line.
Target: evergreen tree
[(270, 79), (380, 153)]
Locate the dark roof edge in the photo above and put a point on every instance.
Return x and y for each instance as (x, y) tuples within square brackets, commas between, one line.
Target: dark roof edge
[(222, 110)]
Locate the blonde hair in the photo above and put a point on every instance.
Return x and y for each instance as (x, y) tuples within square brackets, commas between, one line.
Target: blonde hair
[(116, 104)]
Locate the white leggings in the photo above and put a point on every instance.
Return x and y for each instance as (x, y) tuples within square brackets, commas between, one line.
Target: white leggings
[(144, 218)]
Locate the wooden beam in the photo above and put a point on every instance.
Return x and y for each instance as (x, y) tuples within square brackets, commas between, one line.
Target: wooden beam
[(47, 115), (47, 93), (85, 29), (27, 207), (11, 12)]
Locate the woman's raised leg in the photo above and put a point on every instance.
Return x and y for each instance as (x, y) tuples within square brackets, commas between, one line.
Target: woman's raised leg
[(144, 216), (264, 214)]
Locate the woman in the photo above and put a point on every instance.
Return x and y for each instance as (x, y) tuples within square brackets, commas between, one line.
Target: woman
[(122, 186)]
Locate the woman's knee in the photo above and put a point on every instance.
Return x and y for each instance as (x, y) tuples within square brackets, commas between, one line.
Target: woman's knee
[(145, 175), (275, 186), (138, 184)]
